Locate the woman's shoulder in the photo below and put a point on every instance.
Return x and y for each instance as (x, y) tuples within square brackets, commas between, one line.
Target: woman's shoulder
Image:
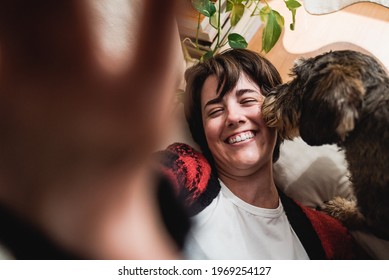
[(191, 175)]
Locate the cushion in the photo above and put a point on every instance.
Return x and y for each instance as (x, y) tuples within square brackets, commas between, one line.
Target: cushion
[(313, 175)]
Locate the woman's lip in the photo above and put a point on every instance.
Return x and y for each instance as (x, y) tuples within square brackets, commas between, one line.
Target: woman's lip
[(240, 137)]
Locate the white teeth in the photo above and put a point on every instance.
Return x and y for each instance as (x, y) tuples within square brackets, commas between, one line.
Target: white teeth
[(241, 137)]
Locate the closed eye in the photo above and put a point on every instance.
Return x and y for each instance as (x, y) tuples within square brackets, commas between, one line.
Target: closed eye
[(249, 101), (215, 112)]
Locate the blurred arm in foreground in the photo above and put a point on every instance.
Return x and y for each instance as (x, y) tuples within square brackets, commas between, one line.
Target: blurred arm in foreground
[(79, 119)]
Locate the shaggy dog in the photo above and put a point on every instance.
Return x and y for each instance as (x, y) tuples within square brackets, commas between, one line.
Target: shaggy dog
[(342, 97)]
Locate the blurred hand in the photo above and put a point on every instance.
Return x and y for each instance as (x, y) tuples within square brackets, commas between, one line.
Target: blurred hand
[(77, 126), (62, 106)]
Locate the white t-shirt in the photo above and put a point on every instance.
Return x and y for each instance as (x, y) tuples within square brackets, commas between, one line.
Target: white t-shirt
[(230, 228)]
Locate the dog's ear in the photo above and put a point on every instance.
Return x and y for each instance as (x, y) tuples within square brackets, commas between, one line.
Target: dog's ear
[(281, 110), (301, 68), (331, 102), (304, 67)]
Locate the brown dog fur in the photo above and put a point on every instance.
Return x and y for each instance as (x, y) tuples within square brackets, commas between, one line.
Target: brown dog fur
[(342, 97)]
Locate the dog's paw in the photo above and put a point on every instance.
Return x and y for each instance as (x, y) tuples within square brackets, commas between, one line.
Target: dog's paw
[(346, 211)]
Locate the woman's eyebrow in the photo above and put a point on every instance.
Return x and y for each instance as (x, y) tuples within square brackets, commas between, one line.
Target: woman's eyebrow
[(238, 93), (213, 101), (242, 91)]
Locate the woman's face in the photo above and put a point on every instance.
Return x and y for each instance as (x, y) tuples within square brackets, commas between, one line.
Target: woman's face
[(236, 134)]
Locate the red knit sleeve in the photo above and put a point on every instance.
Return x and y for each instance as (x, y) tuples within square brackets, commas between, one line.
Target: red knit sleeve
[(335, 238), (187, 169)]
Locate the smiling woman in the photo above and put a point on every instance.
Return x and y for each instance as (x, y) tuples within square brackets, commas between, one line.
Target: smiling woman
[(219, 76), (237, 210), (234, 130)]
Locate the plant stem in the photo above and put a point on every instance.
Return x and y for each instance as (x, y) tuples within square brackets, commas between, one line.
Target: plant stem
[(256, 7), (218, 26), (197, 31)]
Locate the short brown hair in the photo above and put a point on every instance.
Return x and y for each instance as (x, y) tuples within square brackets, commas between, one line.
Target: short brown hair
[(227, 67)]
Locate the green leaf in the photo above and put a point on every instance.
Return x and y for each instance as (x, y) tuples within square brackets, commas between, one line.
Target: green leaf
[(214, 20), (292, 5), (237, 41), (264, 13), (237, 13), (274, 23), (207, 56), (230, 5), (293, 24), (205, 7)]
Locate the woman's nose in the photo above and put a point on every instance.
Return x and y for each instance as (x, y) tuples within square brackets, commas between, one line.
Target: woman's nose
[(235, 116)]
